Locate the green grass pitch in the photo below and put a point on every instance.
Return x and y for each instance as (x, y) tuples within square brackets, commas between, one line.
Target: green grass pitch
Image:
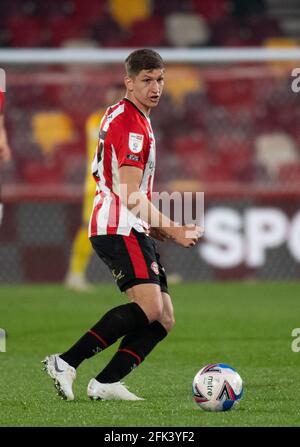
[(248, 326)]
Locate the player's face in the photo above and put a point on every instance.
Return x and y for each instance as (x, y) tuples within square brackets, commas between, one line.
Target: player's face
[(145, 89)]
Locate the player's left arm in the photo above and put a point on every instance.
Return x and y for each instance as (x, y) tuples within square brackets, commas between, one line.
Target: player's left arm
[(159, 234), (131, 165), (138, 203)]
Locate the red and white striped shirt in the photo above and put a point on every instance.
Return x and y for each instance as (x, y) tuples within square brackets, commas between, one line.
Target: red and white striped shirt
[(125, 138)]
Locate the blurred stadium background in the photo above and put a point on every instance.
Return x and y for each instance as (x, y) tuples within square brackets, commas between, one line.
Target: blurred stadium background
[(227, 127)]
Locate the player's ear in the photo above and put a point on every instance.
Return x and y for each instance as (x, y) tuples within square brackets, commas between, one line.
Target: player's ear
[(128, 83)]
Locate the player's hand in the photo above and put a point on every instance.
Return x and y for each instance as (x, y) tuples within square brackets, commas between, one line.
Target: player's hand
[(186, 235), (159, 234)]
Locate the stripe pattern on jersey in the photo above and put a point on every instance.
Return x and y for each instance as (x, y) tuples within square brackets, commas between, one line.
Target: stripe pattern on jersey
[(109, 215)]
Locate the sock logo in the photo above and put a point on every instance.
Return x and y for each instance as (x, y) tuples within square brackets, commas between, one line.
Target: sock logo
[(56, 366), (96, 350), (117, 276)]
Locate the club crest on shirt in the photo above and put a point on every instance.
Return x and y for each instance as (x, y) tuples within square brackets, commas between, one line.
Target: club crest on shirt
[(135, 142)]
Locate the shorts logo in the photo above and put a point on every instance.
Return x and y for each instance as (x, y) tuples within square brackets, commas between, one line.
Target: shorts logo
[(135, 142), (155, 268), (117, 276)]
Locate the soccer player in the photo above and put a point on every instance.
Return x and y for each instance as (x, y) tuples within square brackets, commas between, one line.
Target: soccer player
[(5, 153), (121, 235), (82, 249)]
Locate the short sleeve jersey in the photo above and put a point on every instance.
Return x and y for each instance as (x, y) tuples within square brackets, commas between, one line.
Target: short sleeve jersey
[(125, 138)]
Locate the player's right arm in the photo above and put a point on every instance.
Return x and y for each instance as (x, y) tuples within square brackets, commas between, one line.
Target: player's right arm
[(138, 203)]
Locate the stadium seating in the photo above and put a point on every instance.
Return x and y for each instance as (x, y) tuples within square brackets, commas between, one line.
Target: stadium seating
[(42, 173), (147, 33), (218, 122), (184, 30), (289, 173), (173, 23), (88, 11), (134, 10), (51, 128), (181, 80), (234, 155), (25, 31), (230, 92), (229, 32), (107, 32), (65, 28), (195, 109), (193, 152), (274, 150), (164, 8), (211, 10)]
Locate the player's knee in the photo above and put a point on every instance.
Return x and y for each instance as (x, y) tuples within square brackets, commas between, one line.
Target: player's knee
[(167, 319), (149, 299), (155, 311), (168, 322)]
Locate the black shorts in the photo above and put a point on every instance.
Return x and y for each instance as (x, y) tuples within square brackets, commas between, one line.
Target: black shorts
[(131, 259)]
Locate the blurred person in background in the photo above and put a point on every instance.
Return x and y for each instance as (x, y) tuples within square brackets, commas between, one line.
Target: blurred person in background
[(82, 250), (5, 153)]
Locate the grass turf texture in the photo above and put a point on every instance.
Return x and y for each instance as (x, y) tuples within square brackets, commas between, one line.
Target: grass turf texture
[(247, 326)]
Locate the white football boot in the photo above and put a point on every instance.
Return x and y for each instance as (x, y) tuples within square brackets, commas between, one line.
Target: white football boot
[(62, 373), (109, 391)]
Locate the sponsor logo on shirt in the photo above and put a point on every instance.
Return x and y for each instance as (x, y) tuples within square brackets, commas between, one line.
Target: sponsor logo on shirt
[(133, 157)]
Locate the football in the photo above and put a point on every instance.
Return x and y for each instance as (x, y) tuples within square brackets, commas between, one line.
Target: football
[(217, 387)]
